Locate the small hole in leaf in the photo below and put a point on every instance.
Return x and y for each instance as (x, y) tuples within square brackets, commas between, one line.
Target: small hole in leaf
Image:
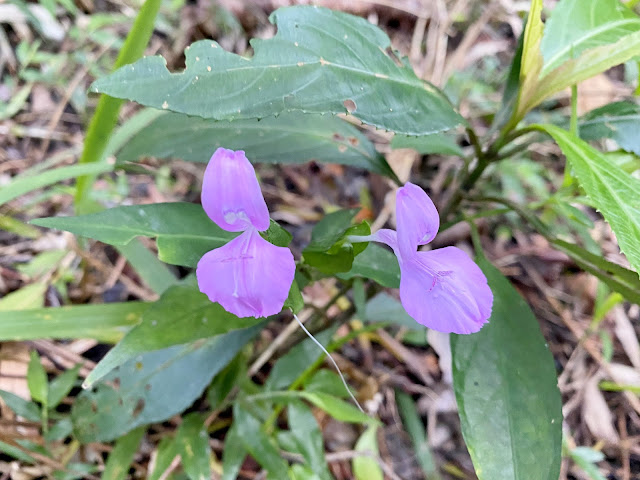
[(350, 105), (116, 383), (337, 137), (342, 148), (139, 408), (354, 141)]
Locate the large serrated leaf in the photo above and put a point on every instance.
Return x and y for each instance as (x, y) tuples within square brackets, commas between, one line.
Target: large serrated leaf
[(320, 61), (613, 191), (292, 137), (507, 393), (578, 25), (153, 386)]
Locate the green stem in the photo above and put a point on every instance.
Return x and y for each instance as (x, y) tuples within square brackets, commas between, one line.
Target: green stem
[(105, 117), (573, 129)]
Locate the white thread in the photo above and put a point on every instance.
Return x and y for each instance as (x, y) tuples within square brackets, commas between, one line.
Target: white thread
[(332, 361)]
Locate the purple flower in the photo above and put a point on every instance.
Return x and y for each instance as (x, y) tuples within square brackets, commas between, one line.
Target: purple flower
[(442, 289), (248, 276)]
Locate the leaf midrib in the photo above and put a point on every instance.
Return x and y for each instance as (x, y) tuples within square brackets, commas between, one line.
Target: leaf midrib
[(591, 33)]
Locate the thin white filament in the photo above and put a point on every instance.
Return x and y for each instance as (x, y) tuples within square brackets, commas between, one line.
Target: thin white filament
[(332, 361)]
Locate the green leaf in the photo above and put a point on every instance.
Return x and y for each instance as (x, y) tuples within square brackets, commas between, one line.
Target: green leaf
[(366, 467), (587, 53), (294, 301), (60, 386), (384, 308), (26, 298), (329, 250), (184, 232), (326, 381), (120, 458), (28, 184), (256, 442), (506, 387), (320, 61), (579, 25), (437, 143), (614, 192), (165, 453), (105, 323), (152, 271), (28, 410), (620, 279), (530, 64), (589, 64), (180, 316), (226, 380), (233, 455), (415, 428), (153, 386), (13, 225), (337, 408), (618, 121), (192, 440), (304, 428), (376, 263), (292, 137), (37, 379), (292, 364)]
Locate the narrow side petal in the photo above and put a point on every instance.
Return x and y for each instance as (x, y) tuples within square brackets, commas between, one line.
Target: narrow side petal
[(445, 290), (416, 217), (231, 193), (386, 236), (248, 276)]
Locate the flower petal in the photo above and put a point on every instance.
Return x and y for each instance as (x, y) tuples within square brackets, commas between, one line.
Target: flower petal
[(248, 276), (445, 290), (386, 236), (231, 193), (416, 217)]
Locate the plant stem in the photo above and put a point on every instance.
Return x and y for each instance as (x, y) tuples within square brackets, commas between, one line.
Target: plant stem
[(485, 158), (573, 129), (105, 117)]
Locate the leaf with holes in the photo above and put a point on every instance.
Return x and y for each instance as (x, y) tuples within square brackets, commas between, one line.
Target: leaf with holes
[(292, 137), (320, 61), (153, 386)]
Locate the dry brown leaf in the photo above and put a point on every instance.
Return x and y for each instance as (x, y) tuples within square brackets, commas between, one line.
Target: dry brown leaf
[(596, 413), (624, 374), (14, 361), (440, 343), (627, 335)]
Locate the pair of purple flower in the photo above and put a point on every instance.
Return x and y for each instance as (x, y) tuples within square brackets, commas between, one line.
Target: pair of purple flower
[(442, 289)]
